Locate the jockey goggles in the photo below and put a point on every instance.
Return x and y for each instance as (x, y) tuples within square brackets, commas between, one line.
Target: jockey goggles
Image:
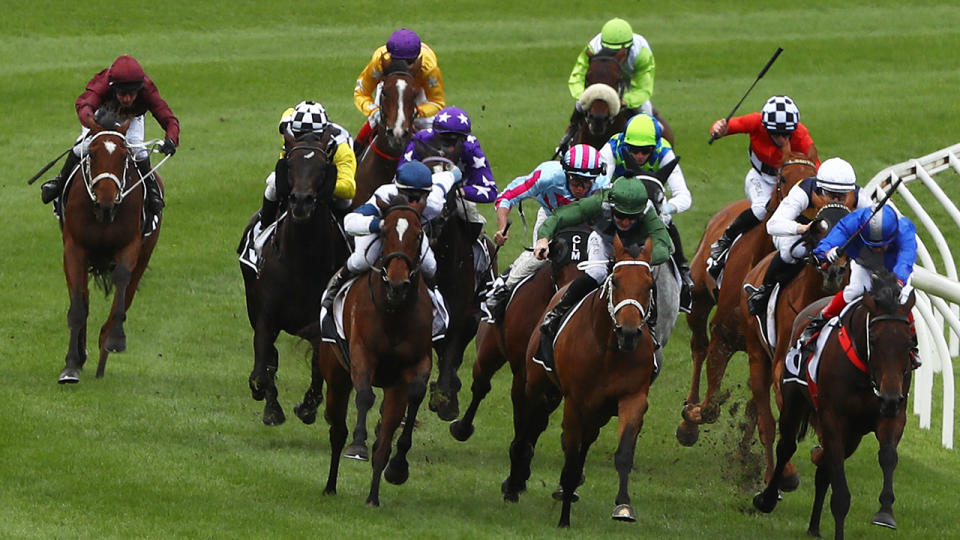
[(126, 87), (646, 150)]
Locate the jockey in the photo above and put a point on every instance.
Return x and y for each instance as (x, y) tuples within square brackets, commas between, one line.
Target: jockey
[(873, 240), (623, 210), (776, 123), (405, 45), (638, 68), (126, 90), (835, 182), (553, 184), (641, 147), (311, 117), (413, 181)]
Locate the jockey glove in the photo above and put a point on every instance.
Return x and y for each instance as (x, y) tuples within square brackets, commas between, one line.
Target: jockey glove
[(168, 147), (833, 254)]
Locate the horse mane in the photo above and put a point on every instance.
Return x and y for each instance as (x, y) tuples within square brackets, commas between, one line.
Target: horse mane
[(396, 65), (886, 290), (605, 53), (634, 249), (107, 118)]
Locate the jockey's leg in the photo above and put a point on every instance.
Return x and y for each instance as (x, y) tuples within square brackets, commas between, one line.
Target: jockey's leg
[(741, 224), (51, 189), (598, 250), (362, 140), (525, 265), (758, 191), (271, 199), (686, 282), (779, 271), (366, 253), (154, 198)]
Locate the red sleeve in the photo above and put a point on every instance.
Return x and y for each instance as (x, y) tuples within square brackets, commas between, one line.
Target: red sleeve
[(160, 110), (97, 90), (743, 124)]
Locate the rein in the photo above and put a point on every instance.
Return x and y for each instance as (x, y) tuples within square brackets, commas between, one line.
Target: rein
[(607, 289), (849, 346)]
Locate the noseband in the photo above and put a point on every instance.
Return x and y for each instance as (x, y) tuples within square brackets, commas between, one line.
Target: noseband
[(90, 181), (607, 289)]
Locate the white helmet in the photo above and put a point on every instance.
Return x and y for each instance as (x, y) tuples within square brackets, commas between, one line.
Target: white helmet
[(836, 175)]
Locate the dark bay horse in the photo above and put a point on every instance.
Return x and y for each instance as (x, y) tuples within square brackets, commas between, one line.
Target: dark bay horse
[(378, 163), (506, 340), (294, 265), (103, 223), (767, 347), (604, 356), (861, 387), (387, 320), (725, 336)]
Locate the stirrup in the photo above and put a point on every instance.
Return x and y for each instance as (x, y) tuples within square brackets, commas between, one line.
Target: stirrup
[(51, 189)]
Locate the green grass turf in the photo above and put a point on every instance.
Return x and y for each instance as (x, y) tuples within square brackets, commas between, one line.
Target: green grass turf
[(169, 443)]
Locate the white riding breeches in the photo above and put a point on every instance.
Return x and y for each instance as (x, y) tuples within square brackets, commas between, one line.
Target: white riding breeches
[(788, 252), (598, 249), (527, 263), (367, 252), (759, 188), (134, 137), (860, 282)]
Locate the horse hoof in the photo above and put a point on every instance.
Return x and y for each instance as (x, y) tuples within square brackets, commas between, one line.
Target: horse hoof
[(816, 455), (307, 416), (884, 519), (509, 494), (763, 503), (118, 346), (624, 512), (273, 415), (461, 431), (397, 474), (688, 433), (357, 452), (789, 483), (691, 414), (449, 410), (69, 376), (558, 495)]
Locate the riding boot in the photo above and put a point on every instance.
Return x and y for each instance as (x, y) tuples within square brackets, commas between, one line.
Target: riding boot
[(686, 282), (268, 213), (578, 288), (915, 362), (154, 199), (337, 281), (741, 224), (51, 189), (817, 323), (362, 140), (757, 301), (497, 301)]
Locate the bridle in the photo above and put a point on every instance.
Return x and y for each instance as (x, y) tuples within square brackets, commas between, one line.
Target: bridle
[(607, 289), (90, 181)]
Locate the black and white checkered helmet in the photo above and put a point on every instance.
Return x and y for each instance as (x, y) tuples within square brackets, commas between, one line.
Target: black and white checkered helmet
[(780, 115), (308, 116)]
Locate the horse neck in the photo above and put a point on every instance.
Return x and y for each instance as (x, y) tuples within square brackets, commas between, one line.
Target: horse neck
[(313, 238)]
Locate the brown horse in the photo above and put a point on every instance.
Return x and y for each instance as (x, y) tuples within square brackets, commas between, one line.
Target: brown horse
[(103, 224), (767, 347), (506, 340), (861, 387), (725, 335), (378, 163), (294, 265), (387, 320), (604, 356)]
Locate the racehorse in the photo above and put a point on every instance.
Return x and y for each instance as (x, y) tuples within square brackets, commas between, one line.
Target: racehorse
[(295, 264), (604, 356), (506, 340), (387, 320), (864, 377), (767, 346), (396, 99), (604, 116), (725, 330), (103, 233)]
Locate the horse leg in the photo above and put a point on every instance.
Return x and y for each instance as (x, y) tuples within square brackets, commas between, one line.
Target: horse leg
[(398, 470), (112, 336), (75, 268), (262, 378), (821, 483), (335, 413), (833, 457), (718, 356), (489, 359), (795, 410), (394, 404), (364, 402), (540, 399), (760, 381), (889, 431), (306, 410), (630, 412), (578, 434), (443, 393), (688, 432)]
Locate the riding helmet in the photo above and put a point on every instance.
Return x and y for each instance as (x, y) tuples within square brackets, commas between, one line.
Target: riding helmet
[(836, 175), (582, 160), (642, 130), (414, 175), (126, 74), (616, 34), (451, 120), (882, 228), (628, 196), (308, 117), (780, 115), (404, 44)]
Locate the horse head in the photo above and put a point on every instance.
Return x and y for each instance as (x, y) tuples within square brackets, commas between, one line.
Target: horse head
[(835, 273), (604, 84), (796, 166), (106, 159), (311, 173), (401, 235), (630, 284), (397, 102), (888, 341)]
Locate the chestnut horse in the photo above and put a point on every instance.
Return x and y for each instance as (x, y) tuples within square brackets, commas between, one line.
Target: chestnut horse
[(862, 387), (725, 330), (506, 340), (767, 347), (387, 321), (604, 355), (294, 265), (103, 224), (396, 99)]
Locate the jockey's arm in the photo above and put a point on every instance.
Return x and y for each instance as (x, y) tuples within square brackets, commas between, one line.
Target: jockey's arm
[(907, 249), (161, 111), (609, 161), (346, 162), (572, 214), (578, 77), (641, 83), (680, 197), (364, 220), (662, 245), (783, 221), (430, 79), (367, 85), (443, 182), (478, 185)]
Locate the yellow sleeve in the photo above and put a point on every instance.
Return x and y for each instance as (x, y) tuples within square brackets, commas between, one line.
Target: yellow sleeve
[(578, 76), (431, 81), (346, 163), (367, 83)]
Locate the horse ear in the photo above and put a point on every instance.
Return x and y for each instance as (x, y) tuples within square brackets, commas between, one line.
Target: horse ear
[(664, 172), (618, 249), (648, 249), (911, 300), (122, 128), (621, 55), (786, 148), (288, 138), (869, 302)]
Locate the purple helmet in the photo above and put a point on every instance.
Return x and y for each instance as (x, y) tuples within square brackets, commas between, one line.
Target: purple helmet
[(451, 120), (404, 44)]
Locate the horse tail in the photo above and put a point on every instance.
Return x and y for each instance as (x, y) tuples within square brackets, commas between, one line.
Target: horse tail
[(103, 278)]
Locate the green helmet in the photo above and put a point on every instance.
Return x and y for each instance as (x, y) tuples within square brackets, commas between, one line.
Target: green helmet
[(628, 196), (641, 131), (616, 34)]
